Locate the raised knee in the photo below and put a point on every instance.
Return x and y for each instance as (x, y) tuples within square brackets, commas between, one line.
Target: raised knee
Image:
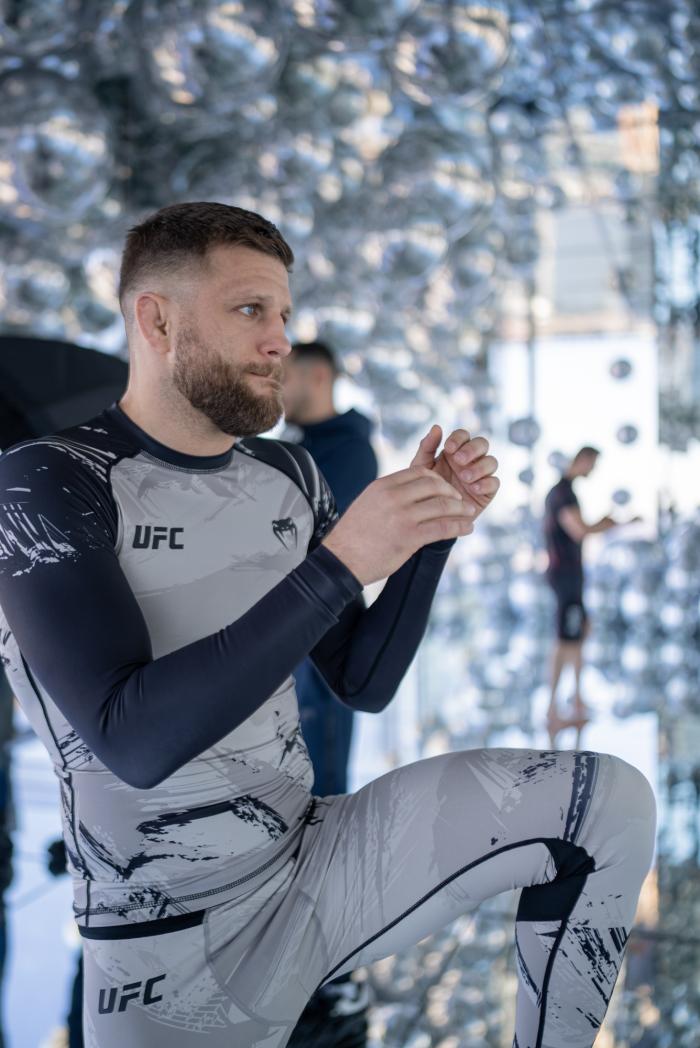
[(634, 789), (632, 800)]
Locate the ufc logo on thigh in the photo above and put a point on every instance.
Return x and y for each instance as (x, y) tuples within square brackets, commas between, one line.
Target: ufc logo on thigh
[(136, 991)]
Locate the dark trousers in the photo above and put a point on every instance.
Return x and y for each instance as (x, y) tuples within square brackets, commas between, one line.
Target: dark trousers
[(75, 1015), (327, 729)]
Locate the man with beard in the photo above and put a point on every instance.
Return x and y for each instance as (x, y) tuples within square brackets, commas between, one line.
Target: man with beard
[(162, 571)]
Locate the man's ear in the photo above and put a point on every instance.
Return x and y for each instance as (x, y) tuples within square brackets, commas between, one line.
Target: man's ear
[(152, 317)]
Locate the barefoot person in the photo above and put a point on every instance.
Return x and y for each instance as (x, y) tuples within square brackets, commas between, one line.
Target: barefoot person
[(565, 531), (163, 569)]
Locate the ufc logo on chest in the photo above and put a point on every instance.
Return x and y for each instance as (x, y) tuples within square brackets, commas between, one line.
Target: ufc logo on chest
[(148, 536)]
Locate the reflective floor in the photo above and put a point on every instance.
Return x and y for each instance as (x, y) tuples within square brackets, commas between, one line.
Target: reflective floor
[(457, 988)]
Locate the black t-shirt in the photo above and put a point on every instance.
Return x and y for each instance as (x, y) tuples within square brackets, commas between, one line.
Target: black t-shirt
[(564, 552)]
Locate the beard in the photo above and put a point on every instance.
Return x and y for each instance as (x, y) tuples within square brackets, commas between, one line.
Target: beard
[(221, 390)]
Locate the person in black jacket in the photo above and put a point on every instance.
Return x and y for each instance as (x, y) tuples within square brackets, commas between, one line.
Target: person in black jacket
[(340, 446)]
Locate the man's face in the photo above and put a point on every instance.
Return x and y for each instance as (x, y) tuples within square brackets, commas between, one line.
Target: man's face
[(588, 464), (297, 392), (230, 340)]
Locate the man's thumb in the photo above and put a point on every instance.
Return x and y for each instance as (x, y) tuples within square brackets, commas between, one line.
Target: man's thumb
[(425, 456)]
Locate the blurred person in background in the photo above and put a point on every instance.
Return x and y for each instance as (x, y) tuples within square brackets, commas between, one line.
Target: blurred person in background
[(565, 531), (340, 445)]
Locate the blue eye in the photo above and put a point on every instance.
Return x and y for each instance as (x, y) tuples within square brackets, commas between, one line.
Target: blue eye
[(250, 306)]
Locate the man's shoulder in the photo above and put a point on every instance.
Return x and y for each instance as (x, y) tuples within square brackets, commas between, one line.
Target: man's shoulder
[(88, 449), (273, 450), (289, 458), (299, 466), (567, 495), (563, 482), (551, 495), (562, 489)]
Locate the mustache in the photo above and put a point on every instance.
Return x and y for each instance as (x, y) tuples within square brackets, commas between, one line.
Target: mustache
[(266, 372)]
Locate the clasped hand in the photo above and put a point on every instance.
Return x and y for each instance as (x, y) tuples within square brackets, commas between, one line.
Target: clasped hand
[(437, 497), (464, 462)]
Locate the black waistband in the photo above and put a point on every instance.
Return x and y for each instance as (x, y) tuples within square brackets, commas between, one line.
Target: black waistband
[(144, 928)]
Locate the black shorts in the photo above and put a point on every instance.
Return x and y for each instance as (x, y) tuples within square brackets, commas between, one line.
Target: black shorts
[(571, 613)]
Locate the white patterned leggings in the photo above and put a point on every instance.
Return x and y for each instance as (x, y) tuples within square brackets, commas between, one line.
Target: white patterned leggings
[(379, 870)]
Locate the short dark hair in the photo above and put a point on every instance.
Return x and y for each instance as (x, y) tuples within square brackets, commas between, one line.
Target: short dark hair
[(316, 351), (586, 452), (179, 233)]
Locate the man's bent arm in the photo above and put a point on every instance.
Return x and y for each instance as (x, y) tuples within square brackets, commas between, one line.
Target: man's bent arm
[(365, 656), (84, 638), (576, 528)]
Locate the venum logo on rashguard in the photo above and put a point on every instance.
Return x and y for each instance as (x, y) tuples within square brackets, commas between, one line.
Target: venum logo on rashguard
[(147, 536), (285, 530), (135, 991)]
